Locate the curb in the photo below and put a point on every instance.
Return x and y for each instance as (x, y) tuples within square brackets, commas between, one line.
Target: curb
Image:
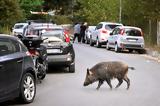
[(153, 54)]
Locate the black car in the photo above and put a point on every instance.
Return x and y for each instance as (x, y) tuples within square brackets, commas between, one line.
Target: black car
[(60, 51), (17, 75)]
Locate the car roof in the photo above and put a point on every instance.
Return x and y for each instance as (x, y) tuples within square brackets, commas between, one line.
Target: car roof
[(131, 27), (48, 27), (8, 36), (21, 24), (110, 23)]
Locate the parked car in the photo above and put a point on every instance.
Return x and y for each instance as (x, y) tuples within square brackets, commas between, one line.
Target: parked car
[(101, 33), (126, 37), (59, 49), (88, 33), (18, 28), (17, 74)]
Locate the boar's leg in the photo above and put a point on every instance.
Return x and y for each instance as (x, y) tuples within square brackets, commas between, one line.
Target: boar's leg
[(128, 81), (120, 82), (109, 82), (99, 84)]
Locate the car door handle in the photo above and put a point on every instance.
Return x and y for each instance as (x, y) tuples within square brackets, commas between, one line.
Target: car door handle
[(19, 61)]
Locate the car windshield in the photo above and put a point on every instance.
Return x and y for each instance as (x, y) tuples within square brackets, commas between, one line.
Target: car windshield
[(111, 26), (54, 33), (133, 32)]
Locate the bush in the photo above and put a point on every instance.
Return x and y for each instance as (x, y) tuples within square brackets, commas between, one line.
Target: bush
[(62, 19), (5, 30)]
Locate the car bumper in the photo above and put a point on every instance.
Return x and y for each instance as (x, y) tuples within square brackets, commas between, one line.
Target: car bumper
[(131, 46), (60, 59)]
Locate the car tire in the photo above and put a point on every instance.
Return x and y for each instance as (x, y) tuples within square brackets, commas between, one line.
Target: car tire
[(98, 45), (107, 46), (27, 88), (42, 71), (91, 42), (72, 68), (117, 49), (130, 50), (141, 51)]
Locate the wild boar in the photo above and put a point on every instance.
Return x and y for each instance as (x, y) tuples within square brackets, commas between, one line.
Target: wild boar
[(105, 71)]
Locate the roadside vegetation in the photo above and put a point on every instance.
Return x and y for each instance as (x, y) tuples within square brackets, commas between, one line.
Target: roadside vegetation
[(140, 13)]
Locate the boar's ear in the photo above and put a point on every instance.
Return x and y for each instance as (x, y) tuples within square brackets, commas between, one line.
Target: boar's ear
[(87, 71)]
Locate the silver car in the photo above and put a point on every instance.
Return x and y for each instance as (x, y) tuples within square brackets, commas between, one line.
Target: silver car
[(126, 37), (88, 33)]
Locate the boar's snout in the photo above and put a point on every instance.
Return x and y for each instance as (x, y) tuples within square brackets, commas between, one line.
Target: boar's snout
[(85, 84)]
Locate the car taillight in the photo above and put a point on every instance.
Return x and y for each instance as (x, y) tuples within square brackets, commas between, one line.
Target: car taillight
[(33, 52), (142, 34), (67, 39), (122, 31), (104, 31), (28, 53)]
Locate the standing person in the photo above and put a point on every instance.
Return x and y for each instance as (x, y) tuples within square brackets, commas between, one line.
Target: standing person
[(82, 32), (76, 32)]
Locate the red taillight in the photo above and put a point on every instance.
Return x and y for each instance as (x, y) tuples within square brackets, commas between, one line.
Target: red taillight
[(142, 34), (66, 34), (104, 31), (122, 31), (28, 53), (33, 52)]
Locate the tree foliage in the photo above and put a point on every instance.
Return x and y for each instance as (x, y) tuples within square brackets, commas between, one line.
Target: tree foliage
[(30, 5), (62, 7), (94, 11), (10, 12)]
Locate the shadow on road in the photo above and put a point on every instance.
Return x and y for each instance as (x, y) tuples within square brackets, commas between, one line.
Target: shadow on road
[(57, 70), (11, 102)]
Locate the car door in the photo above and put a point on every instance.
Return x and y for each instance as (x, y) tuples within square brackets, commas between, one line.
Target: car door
[(112, 38), (11, 67), (115, 35)]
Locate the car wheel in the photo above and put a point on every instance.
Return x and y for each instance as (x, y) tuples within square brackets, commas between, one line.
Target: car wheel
[(98, 45), (42, 71), (27, 88), (117, 49), (91, 42), (142, 51), (72, 68), (130, 50), (107, 46)]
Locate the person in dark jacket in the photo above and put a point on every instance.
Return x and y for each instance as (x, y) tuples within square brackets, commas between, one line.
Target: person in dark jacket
[(82, 31)]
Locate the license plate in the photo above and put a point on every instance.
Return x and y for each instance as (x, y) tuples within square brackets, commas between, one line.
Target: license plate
[(132, 40), (54, 51)]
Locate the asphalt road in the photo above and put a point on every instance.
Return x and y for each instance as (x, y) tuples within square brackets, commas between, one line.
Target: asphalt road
[(66, 89)]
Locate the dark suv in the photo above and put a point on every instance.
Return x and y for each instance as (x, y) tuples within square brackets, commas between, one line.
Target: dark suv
[(17, 75)]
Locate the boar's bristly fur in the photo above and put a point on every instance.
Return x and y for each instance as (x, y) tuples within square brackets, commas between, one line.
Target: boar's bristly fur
[(105, 71)]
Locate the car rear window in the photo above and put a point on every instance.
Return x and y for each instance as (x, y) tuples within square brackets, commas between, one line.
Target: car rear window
[(133, 32), (111, 26), (18, 26), (54, 33)]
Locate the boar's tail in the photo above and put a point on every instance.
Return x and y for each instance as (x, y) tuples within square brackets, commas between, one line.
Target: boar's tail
[(132, 68)]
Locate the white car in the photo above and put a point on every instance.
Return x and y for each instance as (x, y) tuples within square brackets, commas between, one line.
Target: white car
[(101, 33), (88, 33), (126, 37), (18, 28)]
